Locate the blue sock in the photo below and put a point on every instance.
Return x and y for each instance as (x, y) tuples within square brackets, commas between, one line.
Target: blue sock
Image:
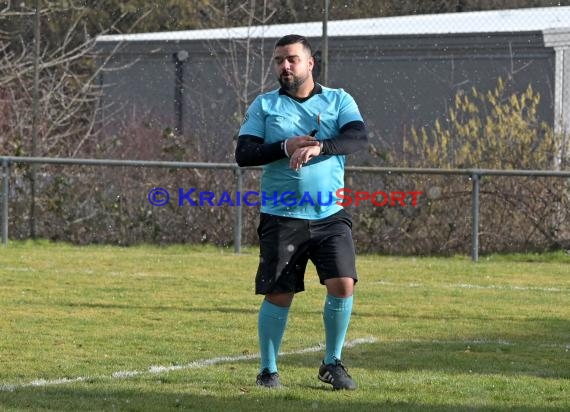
[(271, 326), (336, 316)]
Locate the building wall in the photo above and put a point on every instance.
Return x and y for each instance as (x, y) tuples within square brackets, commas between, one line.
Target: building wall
[(402, 83), (139, 85), (399, 82)]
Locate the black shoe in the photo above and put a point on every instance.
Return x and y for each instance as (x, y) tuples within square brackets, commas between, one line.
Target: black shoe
[(337, 376), (268, 379)]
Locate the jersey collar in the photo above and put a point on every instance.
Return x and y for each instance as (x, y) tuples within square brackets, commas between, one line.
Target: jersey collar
[(316, 90)]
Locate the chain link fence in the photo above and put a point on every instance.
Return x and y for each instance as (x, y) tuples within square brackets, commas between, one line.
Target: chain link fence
[(402, 211), (420, 75), (404, 70)]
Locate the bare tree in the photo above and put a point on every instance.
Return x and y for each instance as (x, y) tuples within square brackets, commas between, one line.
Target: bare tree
[(49, 96), (68, 90), (238, 58)]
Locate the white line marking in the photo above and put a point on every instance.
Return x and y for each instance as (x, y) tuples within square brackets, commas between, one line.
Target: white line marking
[(471, 286), (153, 370), (482, 341), (504, 287)]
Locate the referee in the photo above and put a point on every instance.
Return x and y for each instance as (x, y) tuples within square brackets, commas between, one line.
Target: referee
[(301, 133)]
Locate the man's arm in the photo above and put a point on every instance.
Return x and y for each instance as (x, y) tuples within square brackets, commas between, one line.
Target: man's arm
[(352, 138), (252, 151)]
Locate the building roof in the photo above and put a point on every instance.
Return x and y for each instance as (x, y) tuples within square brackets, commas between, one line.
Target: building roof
[(517, 20)]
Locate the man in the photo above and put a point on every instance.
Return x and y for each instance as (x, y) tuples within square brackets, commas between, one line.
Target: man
[(301, 134)]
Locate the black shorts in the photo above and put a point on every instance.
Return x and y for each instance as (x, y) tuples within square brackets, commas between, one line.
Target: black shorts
[(286, 244)]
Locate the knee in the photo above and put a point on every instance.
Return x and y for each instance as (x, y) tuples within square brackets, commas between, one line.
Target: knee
[(280, 299), (340, 287)]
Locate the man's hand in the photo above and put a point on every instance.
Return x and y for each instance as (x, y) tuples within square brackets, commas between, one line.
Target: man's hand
[(297, 142), (303, 155)]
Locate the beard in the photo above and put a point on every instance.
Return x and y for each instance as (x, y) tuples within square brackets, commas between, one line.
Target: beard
[(291, 83)]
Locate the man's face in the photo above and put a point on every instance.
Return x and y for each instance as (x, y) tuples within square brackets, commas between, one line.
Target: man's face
[(293, 65)]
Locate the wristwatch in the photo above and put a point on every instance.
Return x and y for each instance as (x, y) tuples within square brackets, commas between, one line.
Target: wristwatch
[(284, 147)]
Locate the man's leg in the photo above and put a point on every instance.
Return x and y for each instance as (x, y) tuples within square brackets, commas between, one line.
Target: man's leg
[(334, 256), (272, 322), (280, 274), (336, 315)]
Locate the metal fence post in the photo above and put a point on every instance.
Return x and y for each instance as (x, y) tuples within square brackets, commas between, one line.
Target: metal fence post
[(475, 174), (5, 178), (238, 216), (475, 218), (325, 45)]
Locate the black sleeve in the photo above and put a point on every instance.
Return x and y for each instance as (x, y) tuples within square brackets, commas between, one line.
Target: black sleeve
[(352, 138), (252, 151)]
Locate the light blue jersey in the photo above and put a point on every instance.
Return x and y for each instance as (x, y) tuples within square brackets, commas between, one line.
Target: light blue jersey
[(309, 193)]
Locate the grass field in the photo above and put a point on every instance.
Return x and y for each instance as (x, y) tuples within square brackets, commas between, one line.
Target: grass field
[(174, 328)]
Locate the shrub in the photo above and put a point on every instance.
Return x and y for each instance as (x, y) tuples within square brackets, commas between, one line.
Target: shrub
[(497, 129)]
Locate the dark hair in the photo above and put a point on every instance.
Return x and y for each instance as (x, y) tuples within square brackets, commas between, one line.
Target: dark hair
[(294, 39)]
